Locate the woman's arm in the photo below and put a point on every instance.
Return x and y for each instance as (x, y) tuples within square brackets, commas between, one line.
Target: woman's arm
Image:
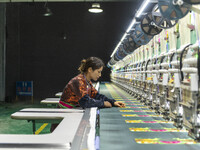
[(97, 96), (87, 102), (112, 101), (104, 98)]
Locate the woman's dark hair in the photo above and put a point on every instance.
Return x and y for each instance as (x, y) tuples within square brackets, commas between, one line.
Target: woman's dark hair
[(93, 62)]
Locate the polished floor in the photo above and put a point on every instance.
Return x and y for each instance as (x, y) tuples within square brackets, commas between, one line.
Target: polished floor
[(12, 126)]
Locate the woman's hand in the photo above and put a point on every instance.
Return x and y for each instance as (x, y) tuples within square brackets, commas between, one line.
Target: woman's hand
[(107, 104), (119, 104)]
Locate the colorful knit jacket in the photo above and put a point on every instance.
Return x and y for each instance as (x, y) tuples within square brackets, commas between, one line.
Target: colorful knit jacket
[(78, 93)]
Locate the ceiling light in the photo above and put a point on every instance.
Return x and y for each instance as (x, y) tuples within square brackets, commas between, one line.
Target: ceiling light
[(131, 25), (95, 8), (144, 5), (48, 12), (116, 48)]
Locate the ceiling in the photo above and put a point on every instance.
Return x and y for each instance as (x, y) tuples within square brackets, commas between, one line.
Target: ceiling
[(41, 38), (111, 24), (68, 0)]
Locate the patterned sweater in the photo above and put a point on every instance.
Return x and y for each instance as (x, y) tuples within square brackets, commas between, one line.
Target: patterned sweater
[(78, 92)]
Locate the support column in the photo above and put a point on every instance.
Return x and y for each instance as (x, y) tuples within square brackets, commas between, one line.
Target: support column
[(2, 50)]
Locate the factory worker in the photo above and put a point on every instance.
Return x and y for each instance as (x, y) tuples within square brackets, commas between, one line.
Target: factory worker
[(79, 92)]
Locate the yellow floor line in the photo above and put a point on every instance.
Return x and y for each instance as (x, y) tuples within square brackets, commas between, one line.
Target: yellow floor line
[(41, 128)]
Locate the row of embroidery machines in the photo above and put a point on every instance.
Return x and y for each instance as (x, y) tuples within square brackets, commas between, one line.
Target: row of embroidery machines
[(164, 74), (167, 83)]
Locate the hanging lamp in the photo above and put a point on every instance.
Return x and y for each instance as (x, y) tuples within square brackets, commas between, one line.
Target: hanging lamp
[(95, 8)]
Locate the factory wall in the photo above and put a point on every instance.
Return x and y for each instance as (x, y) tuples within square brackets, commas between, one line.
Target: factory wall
[(36, 48)]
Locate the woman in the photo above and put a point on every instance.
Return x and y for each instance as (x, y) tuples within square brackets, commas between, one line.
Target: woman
[(79, 92)]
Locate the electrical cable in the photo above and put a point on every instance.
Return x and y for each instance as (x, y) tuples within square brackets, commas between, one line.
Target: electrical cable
[(181, 57)]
